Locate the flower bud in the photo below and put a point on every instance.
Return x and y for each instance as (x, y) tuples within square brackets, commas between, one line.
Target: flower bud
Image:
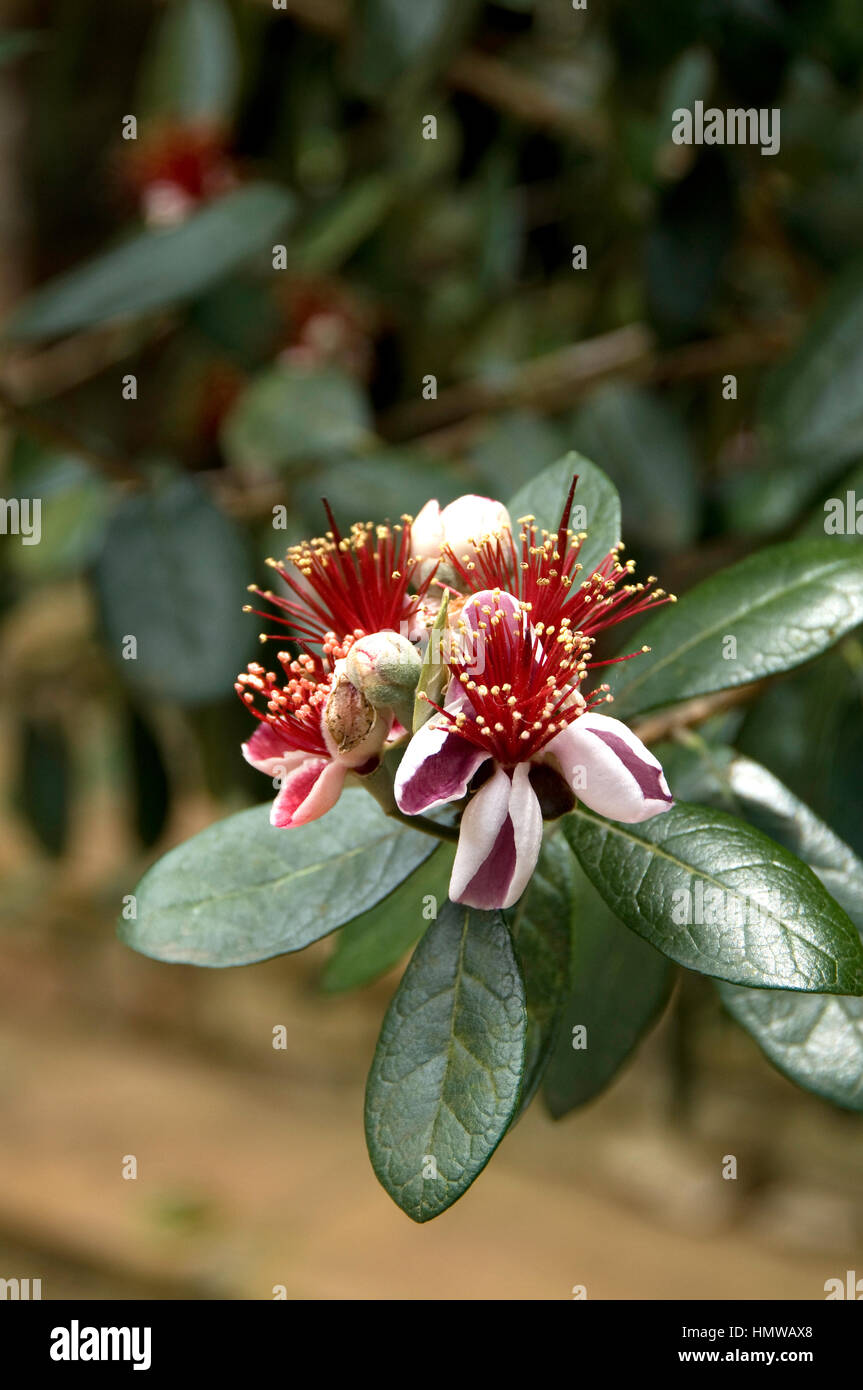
[(351, 724), (462, 525), (385, 666)]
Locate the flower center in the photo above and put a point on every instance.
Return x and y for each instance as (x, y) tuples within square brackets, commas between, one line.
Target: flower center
[(519, 681)]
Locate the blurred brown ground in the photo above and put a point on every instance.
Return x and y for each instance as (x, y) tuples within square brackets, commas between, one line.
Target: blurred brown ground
[(252, 1171)]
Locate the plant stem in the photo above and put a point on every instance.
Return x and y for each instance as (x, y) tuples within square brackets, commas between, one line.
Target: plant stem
[(380, 784)]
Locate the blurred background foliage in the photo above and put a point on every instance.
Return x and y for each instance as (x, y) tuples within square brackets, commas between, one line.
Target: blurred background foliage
[(169, 376)]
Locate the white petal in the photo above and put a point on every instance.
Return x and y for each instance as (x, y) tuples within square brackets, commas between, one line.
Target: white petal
[(436, 768), (610, 770), (482, 820), (499, 842)]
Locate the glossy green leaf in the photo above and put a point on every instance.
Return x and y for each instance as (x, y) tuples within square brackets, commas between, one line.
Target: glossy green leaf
[(618, 987), (172, 576), (540, 930), (289, 414), (718, 896), (817, 1041), (376, 941), (446, 1076), (781, 606), (158, 269), (241, 891), (544, 499)]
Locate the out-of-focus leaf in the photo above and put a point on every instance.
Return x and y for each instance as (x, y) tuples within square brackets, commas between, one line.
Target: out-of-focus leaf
[(544, 499), (44, 783), (808, 729), (446, 1076), (645, 449), (337, 232), (373, 943), (241, 891), (193, 71), (540, 930), (687, 245), (618, 987), (14, 43), (400, 41), (157, 269), (813, 403), (149, 779), (172, 576), (514, 449), (289, 414), (73, 508), (718, 896), (781, 606), (839, 515), (380, 486)]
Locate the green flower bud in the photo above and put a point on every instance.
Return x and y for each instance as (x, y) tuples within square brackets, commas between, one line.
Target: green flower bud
[(385, 667)]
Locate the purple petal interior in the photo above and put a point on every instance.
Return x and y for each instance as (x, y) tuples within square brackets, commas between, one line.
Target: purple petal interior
[(443, 776), (648, 777), (489, 886)]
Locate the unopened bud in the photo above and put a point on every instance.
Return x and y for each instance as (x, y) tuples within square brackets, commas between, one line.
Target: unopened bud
[(463, 525), (386, 667)]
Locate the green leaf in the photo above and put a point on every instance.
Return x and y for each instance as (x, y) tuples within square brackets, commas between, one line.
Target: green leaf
[(718, 896), (640, 439), (157, 269), (723, 778), (619, 987), (45, 782), (172, 575), (373, 943), (74, 508), (400, 41), (338, 231), (816, 1041), (193, 71), (540, 930), (544, 499), (361, 488), (446, 1076), (515, 446), (290, 414), (782, 606), (241, 891), (812, 410)]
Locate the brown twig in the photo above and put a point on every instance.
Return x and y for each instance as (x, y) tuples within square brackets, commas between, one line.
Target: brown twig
[(668, 723), (555, 380)]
